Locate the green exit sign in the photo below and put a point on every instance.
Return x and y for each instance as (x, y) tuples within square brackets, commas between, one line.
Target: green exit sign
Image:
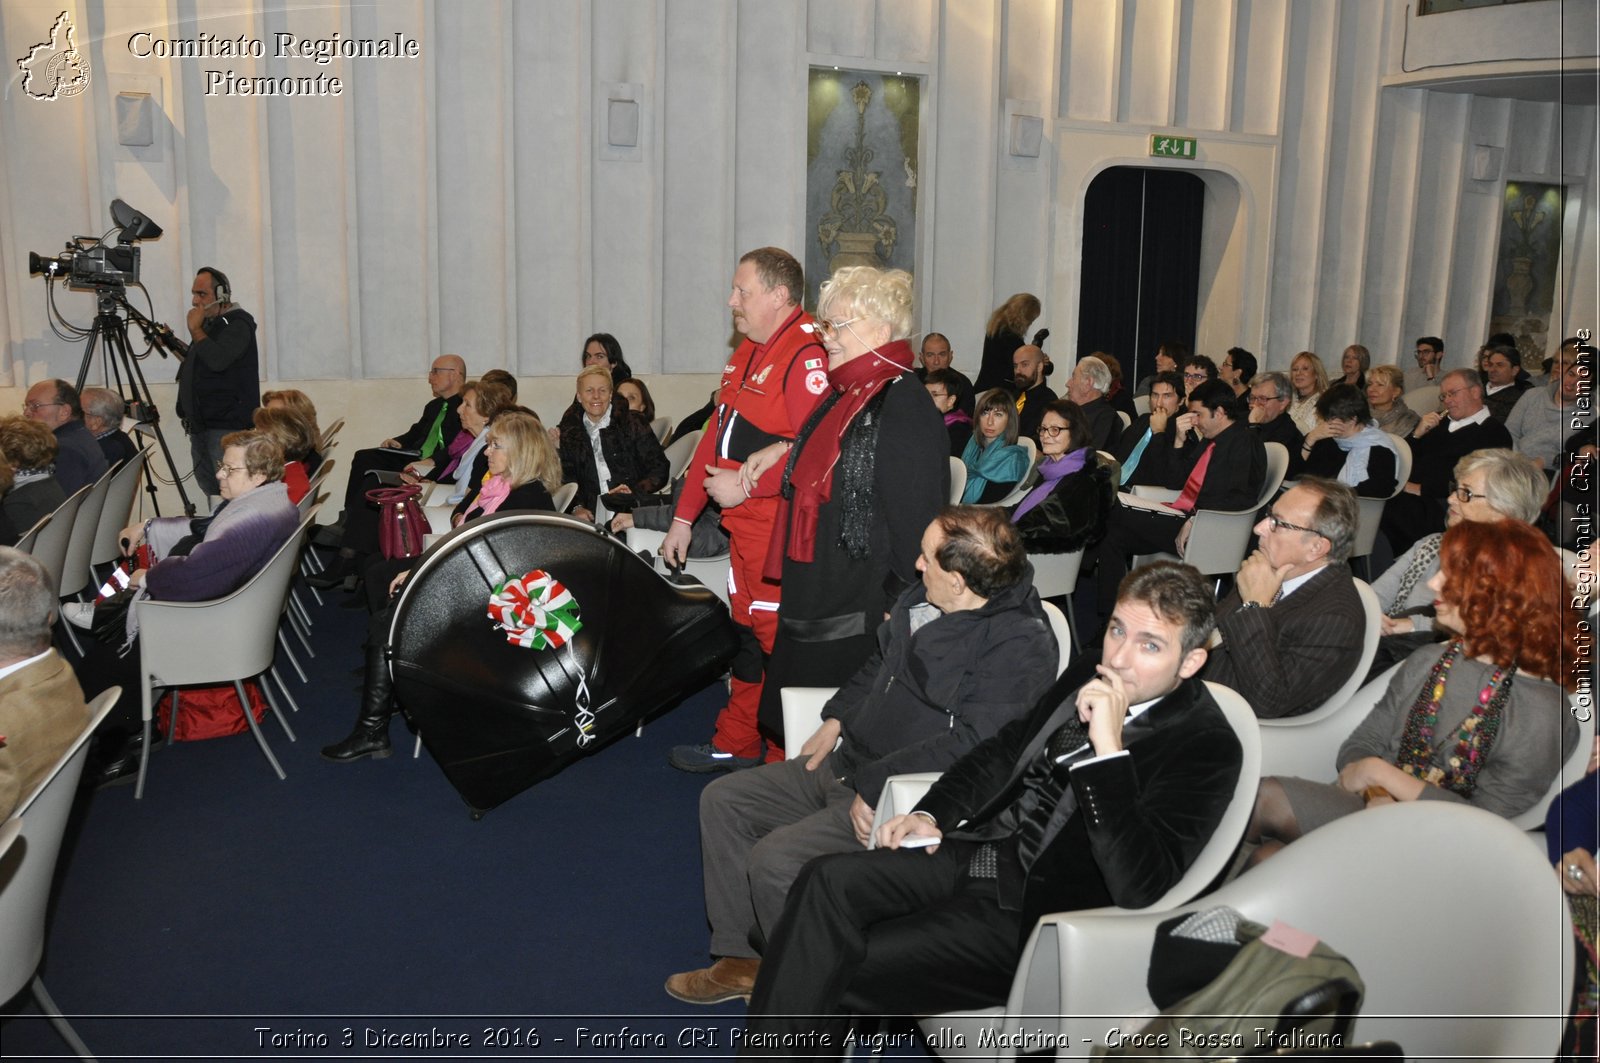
[(1173, 147)]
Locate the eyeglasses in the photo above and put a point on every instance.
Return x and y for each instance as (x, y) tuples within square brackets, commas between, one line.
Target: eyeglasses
[(1453, 392), (1277, 524), (1198, 374), (441, 369), (1463, 494), (830, 329), (228, 470), (29, 407), (1052, 430), (495, 445)]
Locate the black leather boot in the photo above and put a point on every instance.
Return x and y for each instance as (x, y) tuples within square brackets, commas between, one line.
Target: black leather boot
[(371, 735)]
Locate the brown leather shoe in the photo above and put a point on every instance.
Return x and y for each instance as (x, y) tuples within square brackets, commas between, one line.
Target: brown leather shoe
[(728, 978)]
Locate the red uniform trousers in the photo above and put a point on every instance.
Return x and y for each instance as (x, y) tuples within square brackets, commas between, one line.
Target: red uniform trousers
[(754, 603)]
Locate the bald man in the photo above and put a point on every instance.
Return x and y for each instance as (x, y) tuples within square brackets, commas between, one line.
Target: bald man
[(1029, 366), (438, 425)]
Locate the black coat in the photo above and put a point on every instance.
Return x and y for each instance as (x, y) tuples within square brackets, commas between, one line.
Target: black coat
[(922, 700), (1073, 515), (633, 455), (1140, 820), (1234, 475), (1104, 424), (413, 438)]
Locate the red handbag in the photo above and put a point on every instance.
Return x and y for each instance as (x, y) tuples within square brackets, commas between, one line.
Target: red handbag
[(401, 524), (210, 712)]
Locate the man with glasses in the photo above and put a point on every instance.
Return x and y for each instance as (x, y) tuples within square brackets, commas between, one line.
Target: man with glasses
[(936, 355), (1439, 441), (1270, 397), (432, 433), (1197, 369), (79, 459), (770, 386), (1430, 356), (1292, 627), (219, 376)]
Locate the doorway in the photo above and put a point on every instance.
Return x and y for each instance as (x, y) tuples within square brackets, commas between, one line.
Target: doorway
[(1140, 274)]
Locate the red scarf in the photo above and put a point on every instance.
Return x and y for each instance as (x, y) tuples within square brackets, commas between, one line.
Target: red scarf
[(811, 481)]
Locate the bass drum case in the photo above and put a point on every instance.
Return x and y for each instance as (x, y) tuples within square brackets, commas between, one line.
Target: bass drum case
[(499, 718)]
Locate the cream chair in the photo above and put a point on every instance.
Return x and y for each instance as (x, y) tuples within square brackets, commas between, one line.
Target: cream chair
[(1361, 884), (1424, 400), (27, 871), (1218, 538), (711, 571), (1024, 485), (662, 427), (115, 513), (680, 452), (223, 640), (958, 480), (563, 496), (1372, 508)]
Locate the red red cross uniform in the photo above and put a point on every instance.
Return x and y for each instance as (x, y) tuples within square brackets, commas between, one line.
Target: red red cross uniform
[(767, 392)]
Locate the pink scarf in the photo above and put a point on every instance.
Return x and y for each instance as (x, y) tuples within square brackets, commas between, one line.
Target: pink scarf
[(490, 495)]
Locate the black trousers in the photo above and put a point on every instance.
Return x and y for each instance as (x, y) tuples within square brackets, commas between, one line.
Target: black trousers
[(881, 932), (1130, 531)]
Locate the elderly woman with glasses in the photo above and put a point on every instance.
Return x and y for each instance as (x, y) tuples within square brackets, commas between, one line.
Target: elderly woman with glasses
[(192, 562), (1490, 485), (523, 470), (861, 483), (607, 448), (1482, 720), (994, 460), (1067, 509)]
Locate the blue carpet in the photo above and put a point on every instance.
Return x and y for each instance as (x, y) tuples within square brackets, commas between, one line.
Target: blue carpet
[(361, 900)]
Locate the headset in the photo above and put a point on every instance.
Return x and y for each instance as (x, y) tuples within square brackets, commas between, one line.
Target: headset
[(223, 289)]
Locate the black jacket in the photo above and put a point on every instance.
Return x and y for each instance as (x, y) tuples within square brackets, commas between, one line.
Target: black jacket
[(632, 452), (1104, 424), (219, 380), (1155, 463), (413, 438), (923, 700), (1139, 820), (1073, 515), (1234, 475)]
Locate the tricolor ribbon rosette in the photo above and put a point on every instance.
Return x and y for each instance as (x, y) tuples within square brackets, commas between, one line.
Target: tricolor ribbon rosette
[(536, 611)]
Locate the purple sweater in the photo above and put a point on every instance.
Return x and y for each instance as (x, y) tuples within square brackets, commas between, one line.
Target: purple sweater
[(237, 545)]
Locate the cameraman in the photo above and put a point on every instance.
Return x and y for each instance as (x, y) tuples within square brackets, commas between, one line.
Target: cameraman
[(219, 378)]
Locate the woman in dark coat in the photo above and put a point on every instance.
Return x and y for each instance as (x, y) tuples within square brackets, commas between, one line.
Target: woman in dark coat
[(1004, 334), (862, 482), (1067, 510), (633, 459)]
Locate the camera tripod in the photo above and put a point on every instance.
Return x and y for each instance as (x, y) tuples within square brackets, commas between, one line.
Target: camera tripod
[(110, 331)]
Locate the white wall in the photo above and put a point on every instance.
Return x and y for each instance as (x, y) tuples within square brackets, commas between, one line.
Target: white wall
[(469, 200)]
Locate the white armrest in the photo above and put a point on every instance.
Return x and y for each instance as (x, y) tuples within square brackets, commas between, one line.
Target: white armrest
[(802, 715)]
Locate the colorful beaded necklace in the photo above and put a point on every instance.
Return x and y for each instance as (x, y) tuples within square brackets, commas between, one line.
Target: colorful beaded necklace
[(1474, 736)]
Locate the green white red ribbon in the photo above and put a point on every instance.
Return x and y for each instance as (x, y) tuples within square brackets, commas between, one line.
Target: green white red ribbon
[(536, 611)]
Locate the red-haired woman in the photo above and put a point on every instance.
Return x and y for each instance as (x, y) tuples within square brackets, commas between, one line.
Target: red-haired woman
[(1482, 719)]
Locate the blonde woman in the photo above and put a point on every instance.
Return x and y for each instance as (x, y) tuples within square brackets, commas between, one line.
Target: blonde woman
[(1004, 334), (1308, 377)]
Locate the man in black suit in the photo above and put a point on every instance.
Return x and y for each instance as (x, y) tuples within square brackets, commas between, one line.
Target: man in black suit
[(1087, 386), (1105, 793), (936, 354), (1222, 469), (1146, 448), (1293, 625), (1030, 365), (1437, 443)]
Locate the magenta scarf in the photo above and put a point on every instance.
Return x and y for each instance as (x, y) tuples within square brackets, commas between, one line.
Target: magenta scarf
[(1051, 473), (490, 495), (957, 417)]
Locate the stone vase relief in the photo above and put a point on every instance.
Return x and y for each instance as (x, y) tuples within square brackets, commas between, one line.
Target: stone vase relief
[(861, 172)]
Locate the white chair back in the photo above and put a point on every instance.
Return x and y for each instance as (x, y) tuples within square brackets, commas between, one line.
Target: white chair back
[(1340, 883), (1372, 508), (1063, 634), (30, 538), (50, 548), (117, 508), (802, 715), (958, 480), (563, 496), (75, 572), (27, 870), (1218, 539), (1141, 404), (237, 633), (662, 427), (1423, 400), (1126, 420), (680, 452)]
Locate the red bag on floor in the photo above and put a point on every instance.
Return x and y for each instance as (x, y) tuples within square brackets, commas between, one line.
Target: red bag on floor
[(209, 712)]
